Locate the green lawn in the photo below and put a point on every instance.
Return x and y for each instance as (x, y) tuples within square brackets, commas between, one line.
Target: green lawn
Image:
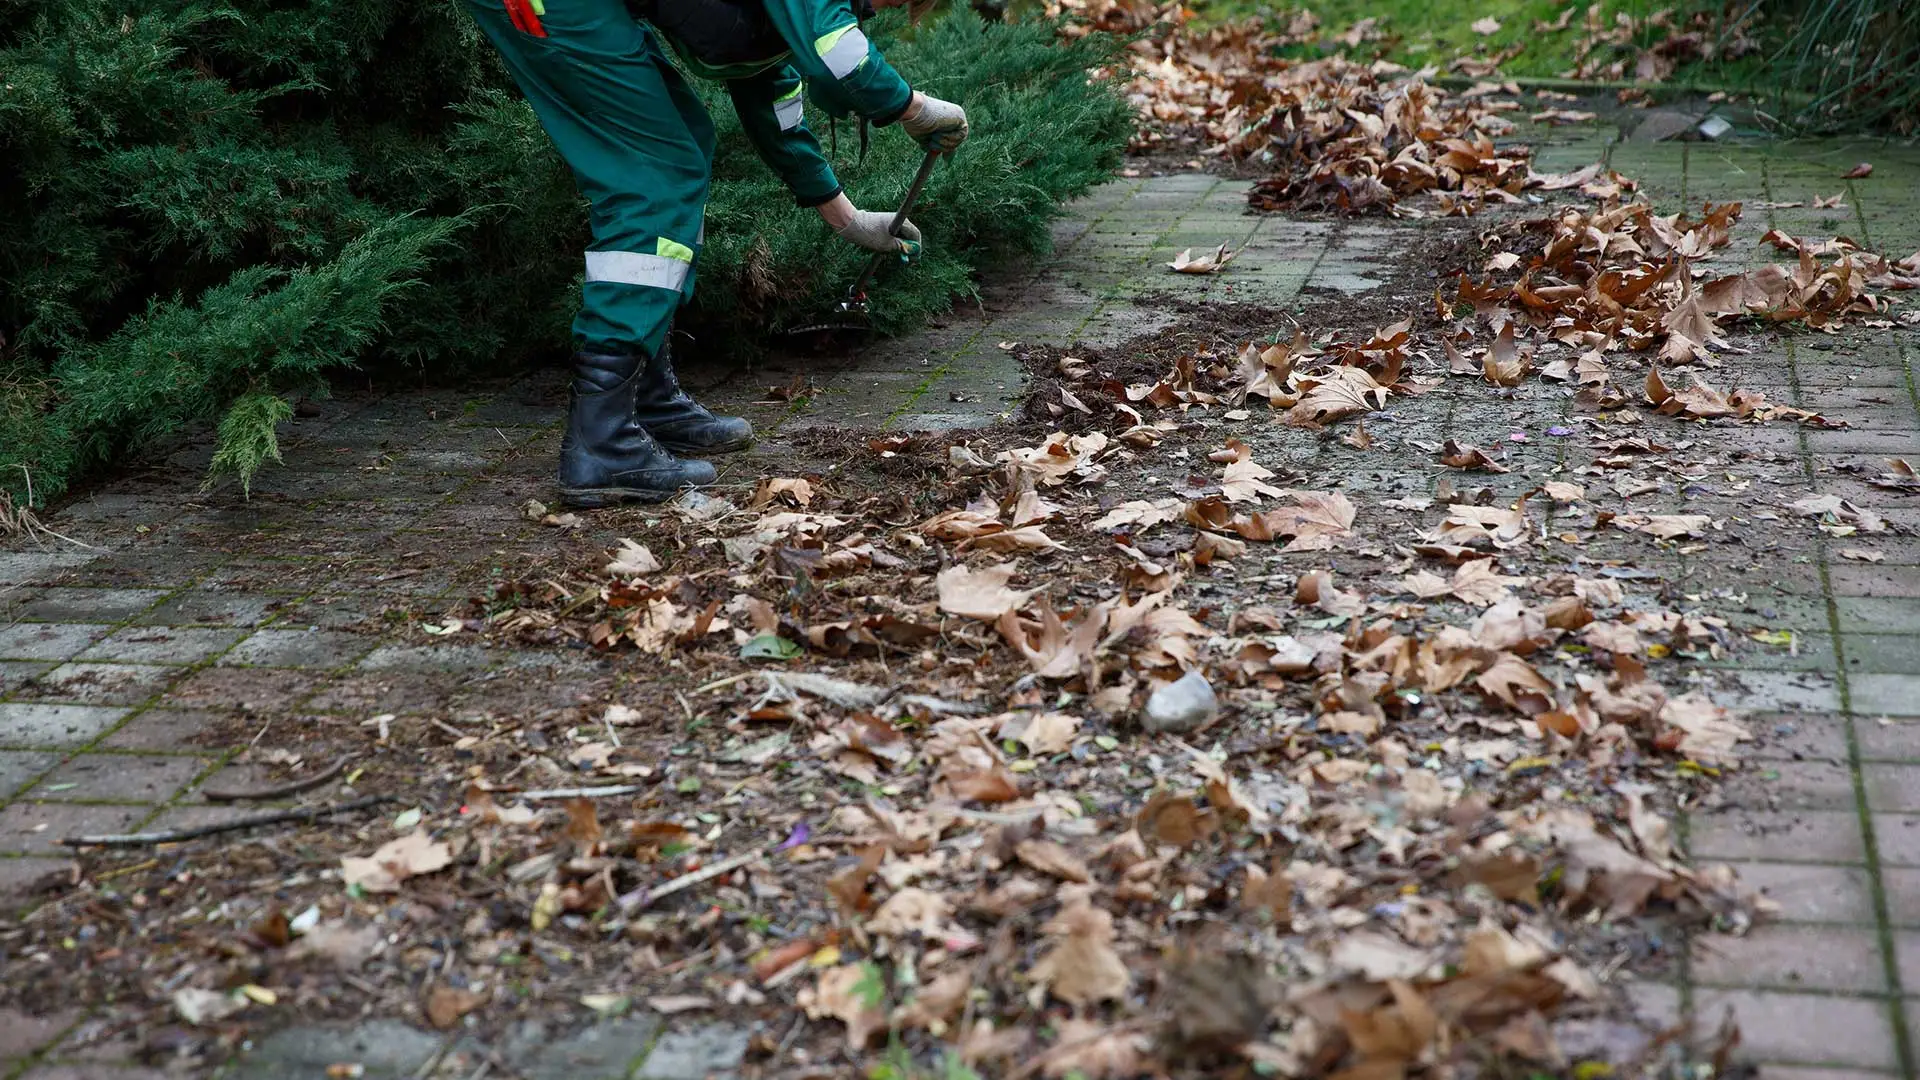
[(1422, 33)]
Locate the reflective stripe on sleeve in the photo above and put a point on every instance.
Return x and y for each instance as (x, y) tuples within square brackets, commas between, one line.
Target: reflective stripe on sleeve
[(842, 51), (638, 268)]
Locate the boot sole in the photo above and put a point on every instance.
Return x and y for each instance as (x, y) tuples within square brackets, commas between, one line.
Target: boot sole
[(692, 451), (599, 498)]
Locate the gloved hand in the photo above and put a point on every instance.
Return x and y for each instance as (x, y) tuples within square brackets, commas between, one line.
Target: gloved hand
[(935, 124), (868, 229)]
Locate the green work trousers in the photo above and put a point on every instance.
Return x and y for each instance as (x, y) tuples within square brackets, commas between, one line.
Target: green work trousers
[(640, 145)]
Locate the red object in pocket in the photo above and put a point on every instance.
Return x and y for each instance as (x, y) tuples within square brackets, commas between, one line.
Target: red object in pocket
[(524, 19)]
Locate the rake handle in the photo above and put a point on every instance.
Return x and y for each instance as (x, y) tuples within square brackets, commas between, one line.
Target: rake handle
[(859, 287)]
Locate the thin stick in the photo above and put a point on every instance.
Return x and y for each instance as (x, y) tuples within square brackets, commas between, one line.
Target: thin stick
[(280, 791), (275, 817), (705, 873), (582, 792), (728, 681)]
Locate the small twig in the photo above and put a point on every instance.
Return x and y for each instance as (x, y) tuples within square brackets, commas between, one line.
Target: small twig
[(125, 870), (275, 817), (687, 881), (279, 791), (728, 681), (582, 792)]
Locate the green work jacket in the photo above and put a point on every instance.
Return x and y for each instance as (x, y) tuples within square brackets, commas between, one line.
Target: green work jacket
[(767, 52)]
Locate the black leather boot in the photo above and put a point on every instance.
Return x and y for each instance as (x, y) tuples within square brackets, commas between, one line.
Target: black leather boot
[(606, 456), (680, 423)]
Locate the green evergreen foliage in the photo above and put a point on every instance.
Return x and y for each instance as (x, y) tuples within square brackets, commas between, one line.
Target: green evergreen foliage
[(205, 205)]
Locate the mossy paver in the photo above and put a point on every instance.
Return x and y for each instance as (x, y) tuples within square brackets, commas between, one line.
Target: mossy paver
[(191, 608)]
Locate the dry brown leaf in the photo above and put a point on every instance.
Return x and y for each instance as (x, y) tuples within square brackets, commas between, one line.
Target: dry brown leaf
[(1664, 526), (1480, 582), (1049, 857), (445, 1005), (395, 861), (1082, 967), (792, 491), (1456, 456), (1515, 682), (841, 994), (1212, 262), (911, 911), (1046, 733), (1088, 1050), (632, 560), (979, 594), (1244, 481)]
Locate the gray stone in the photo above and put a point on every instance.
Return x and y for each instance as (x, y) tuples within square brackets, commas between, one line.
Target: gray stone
[(305, 648), (27, 725), (163, 645), (18, 768), (101, 684), (27, 567), (386, 1049), (605, 1051), (1658, 125), (47, 641), (1182, 705), (88, 605), (711, 1051), (206, 607), (443, 658)]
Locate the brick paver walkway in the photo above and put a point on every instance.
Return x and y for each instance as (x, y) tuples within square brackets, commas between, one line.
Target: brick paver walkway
[(132, 673)]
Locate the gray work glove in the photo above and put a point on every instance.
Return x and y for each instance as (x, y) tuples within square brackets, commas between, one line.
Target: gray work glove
[(939, 125), (868, 229)]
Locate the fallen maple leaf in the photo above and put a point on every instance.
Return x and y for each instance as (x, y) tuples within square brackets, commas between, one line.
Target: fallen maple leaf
[(1455, 456), (1515, 682), (395, 861), (1858, 172), (1315, 521), (1244, 481), (1709, 733), (1479, 582), (1082, 967), (979, 594), (1664, 526), (852, 994), (1335, 393), (1838, 511), (632, 560), (1217, 260), (1051, 858), (1089, 1050), (1046, 733), (445, 1005), (792, 491)]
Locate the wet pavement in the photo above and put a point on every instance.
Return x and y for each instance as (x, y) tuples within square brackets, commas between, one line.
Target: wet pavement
[(133, 671)]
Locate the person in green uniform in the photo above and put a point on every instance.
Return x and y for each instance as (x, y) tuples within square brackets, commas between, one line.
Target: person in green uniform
[(641, 149)]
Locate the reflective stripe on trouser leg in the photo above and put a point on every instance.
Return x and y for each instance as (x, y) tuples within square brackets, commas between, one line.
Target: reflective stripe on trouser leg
[(638, 268), (842, 51), (790, 110)]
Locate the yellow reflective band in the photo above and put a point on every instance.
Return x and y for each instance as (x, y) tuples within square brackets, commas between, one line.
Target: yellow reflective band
[(843, 51), (789, 111), (673, 249), (538, 7), (637, 268)]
